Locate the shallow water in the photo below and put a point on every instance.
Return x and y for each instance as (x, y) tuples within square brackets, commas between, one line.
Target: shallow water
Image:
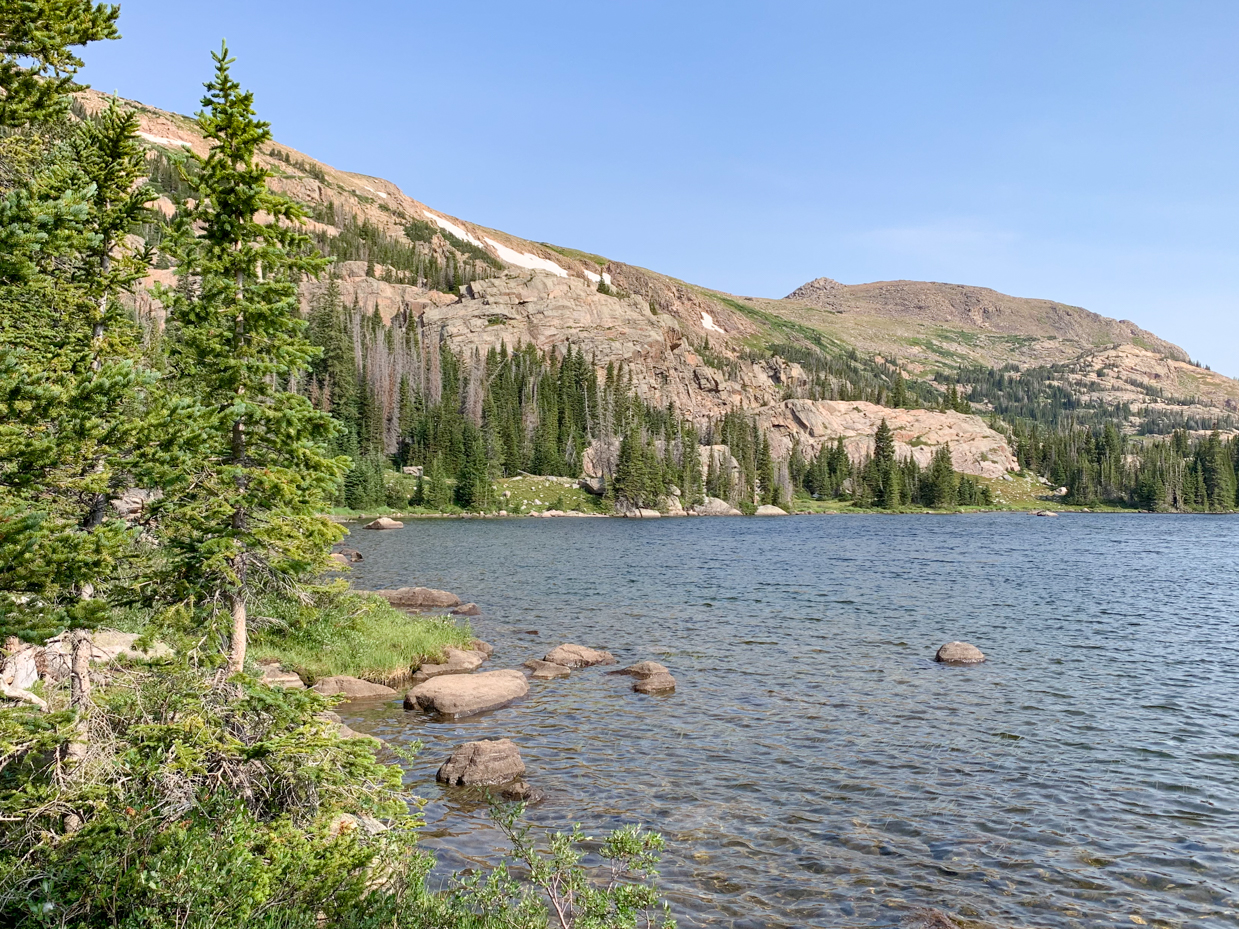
[(815, 767)]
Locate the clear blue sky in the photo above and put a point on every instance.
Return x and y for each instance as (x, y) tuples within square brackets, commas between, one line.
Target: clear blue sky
[(1080, 151)]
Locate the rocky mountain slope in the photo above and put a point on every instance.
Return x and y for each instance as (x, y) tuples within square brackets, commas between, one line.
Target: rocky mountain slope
[(473, 288)]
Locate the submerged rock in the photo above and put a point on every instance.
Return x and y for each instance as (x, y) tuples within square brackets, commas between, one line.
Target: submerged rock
[(384, 522), (457, 695), (521, 792), (660, 683), (546, 670), (491, 761), (419, 598), (351, 554), (578, 656), (353, 688), (959, 653), (457, 661), (467, 609)]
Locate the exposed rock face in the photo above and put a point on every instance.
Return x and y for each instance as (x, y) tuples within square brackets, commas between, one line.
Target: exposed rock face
[(959, 653), (815, 290), (662, 683), (578, 656), (714, 507), (352, 688), (546, 670), (458, 661), (975, 447), (419, 598), (384, 522), (767, 510), (492, 761), (458, 695)]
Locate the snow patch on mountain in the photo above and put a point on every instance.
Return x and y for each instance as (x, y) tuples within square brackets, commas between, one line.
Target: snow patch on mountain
[(526, 260)]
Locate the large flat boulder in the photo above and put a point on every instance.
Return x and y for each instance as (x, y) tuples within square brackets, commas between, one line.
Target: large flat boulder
[(352, 688), (490, 761), (767, 510), (458, 661), (457, 695), (419, 598), (578, 656), (660, 683), (643, 669), (384, 522)]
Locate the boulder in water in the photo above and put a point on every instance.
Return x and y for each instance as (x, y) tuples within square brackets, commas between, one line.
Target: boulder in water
[(713, 506), (660, 683), (458, 695), (384, 522), (490, 761), (467, 609), (959, 653), (643, 669), (546, 670), (578, 656)]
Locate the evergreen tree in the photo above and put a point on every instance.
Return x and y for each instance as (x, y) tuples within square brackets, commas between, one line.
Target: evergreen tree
[(37, 62), (247, 518)]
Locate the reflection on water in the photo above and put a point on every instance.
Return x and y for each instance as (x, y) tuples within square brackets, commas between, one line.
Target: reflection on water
[(816, 768)]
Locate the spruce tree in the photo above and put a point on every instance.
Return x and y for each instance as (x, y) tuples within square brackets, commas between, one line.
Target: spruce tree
[(248, 516)]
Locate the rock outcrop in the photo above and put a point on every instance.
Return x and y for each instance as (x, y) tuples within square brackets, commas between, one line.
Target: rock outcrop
[(975, 447), (959, 653), (768, 510), (578, 656), (487, 762), (459, 695)]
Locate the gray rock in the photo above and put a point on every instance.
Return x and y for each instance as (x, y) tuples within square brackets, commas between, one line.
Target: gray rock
[(419, 598), (546, 670), (457, 661), (344, 823), (351, 554), (492, 761), (578, 656), (661, 683), (467, 609), (275, 676), (593, 485), (337, 558), (484, 647), (384, 522), (714, 507), (457, 695), (1044, 513), (352, 688), (767, 510), (959, 653)]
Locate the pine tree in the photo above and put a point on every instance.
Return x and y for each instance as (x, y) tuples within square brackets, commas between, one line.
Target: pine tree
[(248, 517), (37, 64)]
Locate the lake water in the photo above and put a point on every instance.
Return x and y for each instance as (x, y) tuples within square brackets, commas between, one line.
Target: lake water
[(816, 767)]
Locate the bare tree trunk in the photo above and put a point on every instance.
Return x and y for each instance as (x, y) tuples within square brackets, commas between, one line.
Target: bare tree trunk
[(240, 634)]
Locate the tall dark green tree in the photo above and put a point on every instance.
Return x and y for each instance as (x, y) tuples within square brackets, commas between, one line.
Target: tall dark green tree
[(248, 518)]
